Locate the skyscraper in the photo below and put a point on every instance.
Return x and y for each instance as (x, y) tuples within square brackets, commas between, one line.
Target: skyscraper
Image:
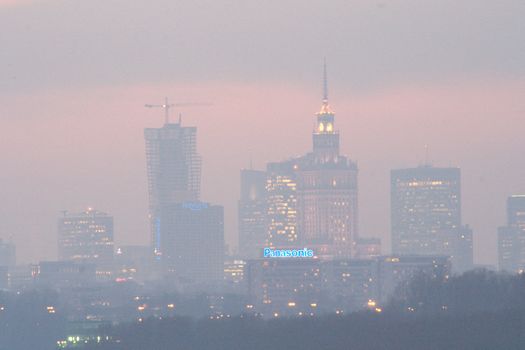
[(282, 204), (173, 169), (327, 191), (7, 254), (86, 237), (252, 214), (7, 262), (511, 238), (192, 237), (426, 215), (516, 211), (312, 200)]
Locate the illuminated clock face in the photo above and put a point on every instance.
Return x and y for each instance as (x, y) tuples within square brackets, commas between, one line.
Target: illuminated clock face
[(321, 127), (329, 127)]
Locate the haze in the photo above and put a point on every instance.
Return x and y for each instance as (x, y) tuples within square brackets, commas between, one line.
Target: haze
[(75, 75)]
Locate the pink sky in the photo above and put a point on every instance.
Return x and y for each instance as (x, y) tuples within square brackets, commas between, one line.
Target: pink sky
[(72, 149)]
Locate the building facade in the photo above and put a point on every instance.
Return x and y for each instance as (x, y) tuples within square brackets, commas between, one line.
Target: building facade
[(7, 254), (327, 192), (282, 287), (511, 238), (302, 286), (192, 237), (173, 170), (281, 204), (426, 215), (86, 237), (253, 209), (312, 200)]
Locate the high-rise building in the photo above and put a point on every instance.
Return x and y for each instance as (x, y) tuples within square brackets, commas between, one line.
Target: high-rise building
[(516, 211), (426, 215), (252, 214), (282, 204), (86, 237), (173, 169), (312, 200), (511, 241), (7, 262), (460, 248), (511, 238), (327, 192), (192, 237), (7, 254)]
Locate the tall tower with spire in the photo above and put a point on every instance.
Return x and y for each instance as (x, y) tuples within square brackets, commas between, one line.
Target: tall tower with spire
[(312, 200), (325, 137), (327, 189)]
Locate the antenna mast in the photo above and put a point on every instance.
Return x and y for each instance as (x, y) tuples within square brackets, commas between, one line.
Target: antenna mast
[(325, 82)]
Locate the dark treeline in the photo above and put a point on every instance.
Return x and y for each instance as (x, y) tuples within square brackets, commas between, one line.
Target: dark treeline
[(495, 330), (474, 291), (29, 320), (38, 318), (478, 310)]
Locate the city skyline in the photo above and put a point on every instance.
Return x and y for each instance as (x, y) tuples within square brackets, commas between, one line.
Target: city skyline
[(383, 235), (246, 174), (73, 137)]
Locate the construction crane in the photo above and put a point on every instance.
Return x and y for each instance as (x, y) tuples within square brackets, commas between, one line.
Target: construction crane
[(167, 106)]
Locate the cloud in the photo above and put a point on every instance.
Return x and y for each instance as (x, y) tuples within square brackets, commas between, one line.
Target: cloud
[(74, 76), (69, 44)]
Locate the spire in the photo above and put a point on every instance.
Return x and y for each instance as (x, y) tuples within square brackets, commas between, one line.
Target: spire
[(325, 82), (325, 108)]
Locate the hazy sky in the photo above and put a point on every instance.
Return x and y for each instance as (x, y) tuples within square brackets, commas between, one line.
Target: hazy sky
[(75, 75)]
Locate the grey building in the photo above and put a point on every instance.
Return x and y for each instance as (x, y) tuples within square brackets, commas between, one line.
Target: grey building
[(366, 248), (173, 170), (511, 238), (252, 214), (426, 215), (64, 274), (7, 254), (86, 237), (285, 286), (350, 284), (192, 237), (516, 211), (7, 262), (303, 286), (134, 262)]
